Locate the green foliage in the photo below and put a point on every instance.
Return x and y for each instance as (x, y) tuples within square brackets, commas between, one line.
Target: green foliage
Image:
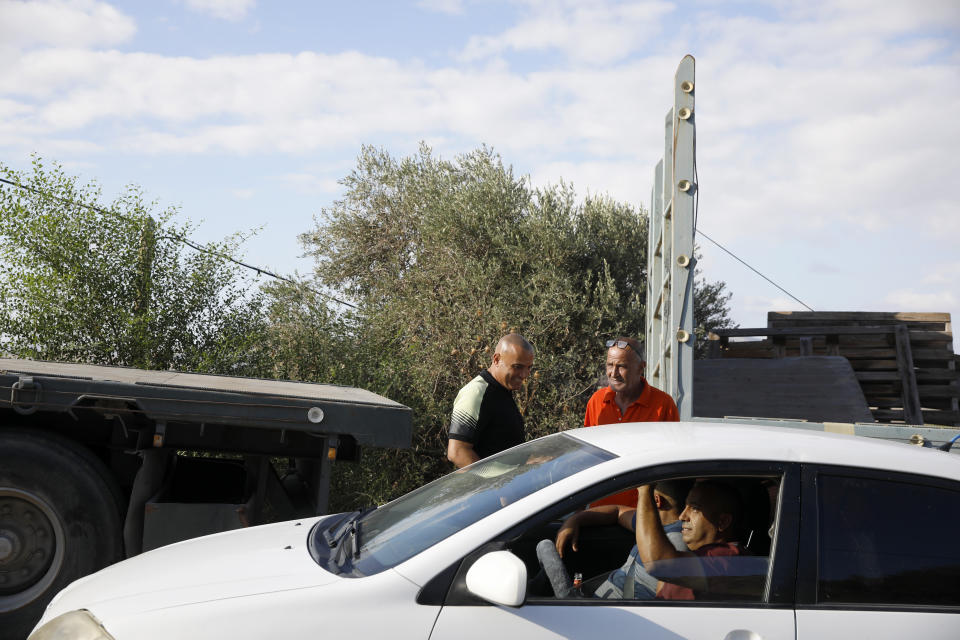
[(441, 259), (116, 288)]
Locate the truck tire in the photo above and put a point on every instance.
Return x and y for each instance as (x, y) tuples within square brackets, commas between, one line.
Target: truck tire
[(58, 521)]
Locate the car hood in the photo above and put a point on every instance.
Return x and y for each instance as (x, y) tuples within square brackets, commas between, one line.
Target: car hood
[(237, 563)]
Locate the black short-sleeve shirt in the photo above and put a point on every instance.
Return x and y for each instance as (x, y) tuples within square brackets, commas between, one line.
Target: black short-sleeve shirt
[(486, 415)]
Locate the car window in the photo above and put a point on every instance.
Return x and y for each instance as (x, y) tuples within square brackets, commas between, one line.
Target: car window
[(405, 527), (887, 542), (608, 559)]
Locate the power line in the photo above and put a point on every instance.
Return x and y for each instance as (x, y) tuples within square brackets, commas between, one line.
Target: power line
[(193, 245), (741, 261), (696, 211), (267, 272)]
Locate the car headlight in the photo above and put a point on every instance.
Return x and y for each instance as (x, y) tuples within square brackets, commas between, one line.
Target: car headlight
[(73, 625)]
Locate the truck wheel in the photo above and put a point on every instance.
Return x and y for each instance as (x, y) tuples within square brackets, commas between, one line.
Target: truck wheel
[(58, 522)]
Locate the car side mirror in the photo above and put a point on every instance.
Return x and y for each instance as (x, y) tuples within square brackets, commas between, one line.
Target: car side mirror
[(498, 577)]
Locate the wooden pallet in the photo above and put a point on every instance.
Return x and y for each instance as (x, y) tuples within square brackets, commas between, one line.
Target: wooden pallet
[(904, 361)]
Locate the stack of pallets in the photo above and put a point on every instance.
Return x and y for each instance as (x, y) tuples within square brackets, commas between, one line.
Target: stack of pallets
[(904, 361)]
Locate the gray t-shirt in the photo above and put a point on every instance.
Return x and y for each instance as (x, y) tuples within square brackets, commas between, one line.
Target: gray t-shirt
[(644, 585)]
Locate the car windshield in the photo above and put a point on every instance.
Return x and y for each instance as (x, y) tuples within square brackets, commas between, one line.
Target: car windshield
[(405, 527)]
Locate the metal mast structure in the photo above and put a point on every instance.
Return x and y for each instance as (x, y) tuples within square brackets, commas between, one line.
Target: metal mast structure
[(670, 261)]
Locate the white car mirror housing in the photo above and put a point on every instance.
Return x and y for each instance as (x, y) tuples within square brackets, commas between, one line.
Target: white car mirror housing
[(498, 577)]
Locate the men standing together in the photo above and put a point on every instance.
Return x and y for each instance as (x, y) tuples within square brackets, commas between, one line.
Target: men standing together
[(485, 417), (674, 521), (486, 420)]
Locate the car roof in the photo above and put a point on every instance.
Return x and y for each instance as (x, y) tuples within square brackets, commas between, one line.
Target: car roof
[(648, 443)]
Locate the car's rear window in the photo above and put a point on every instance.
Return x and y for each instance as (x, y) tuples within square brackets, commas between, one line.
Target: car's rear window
[(888, 542)]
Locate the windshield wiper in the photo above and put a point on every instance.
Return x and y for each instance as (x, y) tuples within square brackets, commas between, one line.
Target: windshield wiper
[(336, 531), (350, 524), (355, 537)]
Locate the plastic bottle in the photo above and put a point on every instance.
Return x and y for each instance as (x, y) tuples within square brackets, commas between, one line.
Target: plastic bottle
[(577, 584)]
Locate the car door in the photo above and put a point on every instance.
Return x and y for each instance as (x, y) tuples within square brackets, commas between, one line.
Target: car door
[(767, 614), (879, 555)]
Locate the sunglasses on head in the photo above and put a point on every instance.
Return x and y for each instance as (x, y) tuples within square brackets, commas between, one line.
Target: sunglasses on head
[(619, 344)]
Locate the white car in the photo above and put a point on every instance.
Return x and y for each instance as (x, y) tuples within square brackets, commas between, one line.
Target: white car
[(846, 536)]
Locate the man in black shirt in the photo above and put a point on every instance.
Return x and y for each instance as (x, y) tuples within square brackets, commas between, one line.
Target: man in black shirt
[(485, 417)]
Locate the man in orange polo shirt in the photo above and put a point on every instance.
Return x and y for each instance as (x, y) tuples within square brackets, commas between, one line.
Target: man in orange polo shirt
[(629, 398)]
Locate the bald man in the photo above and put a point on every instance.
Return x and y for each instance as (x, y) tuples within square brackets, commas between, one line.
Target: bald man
[(485, 417)]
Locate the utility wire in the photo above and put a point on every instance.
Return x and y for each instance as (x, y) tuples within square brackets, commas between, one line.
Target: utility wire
[(738, 259), (696, 211), (179, 238), (267, 272)]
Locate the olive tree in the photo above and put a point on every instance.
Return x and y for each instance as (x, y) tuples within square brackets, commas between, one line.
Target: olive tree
[(440, 258), (116, 284)]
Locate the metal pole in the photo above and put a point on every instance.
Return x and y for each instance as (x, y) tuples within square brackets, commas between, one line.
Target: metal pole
[(670, 261)]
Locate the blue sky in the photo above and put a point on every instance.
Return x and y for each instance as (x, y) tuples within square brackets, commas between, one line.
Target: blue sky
[(827, 129)]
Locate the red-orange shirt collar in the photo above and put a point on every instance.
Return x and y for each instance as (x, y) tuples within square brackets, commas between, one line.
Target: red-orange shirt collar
[(644, 399)]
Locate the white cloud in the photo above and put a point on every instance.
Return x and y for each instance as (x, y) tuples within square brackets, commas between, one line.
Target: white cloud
[(822, 123), (803, 123), (12, 108), (825, 268), (232, 10), (450, 7), (827, 120), (616, 178), (311, 184), (866, 166), (63, 23), (912, 300), (874, 17), (946, 273), (589, 31)]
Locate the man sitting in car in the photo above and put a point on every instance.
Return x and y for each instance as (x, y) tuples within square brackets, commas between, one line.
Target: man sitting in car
[(629, 581), (709, 527)]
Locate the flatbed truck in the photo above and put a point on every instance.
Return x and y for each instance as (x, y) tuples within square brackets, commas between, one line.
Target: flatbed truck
[(101, 463)]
